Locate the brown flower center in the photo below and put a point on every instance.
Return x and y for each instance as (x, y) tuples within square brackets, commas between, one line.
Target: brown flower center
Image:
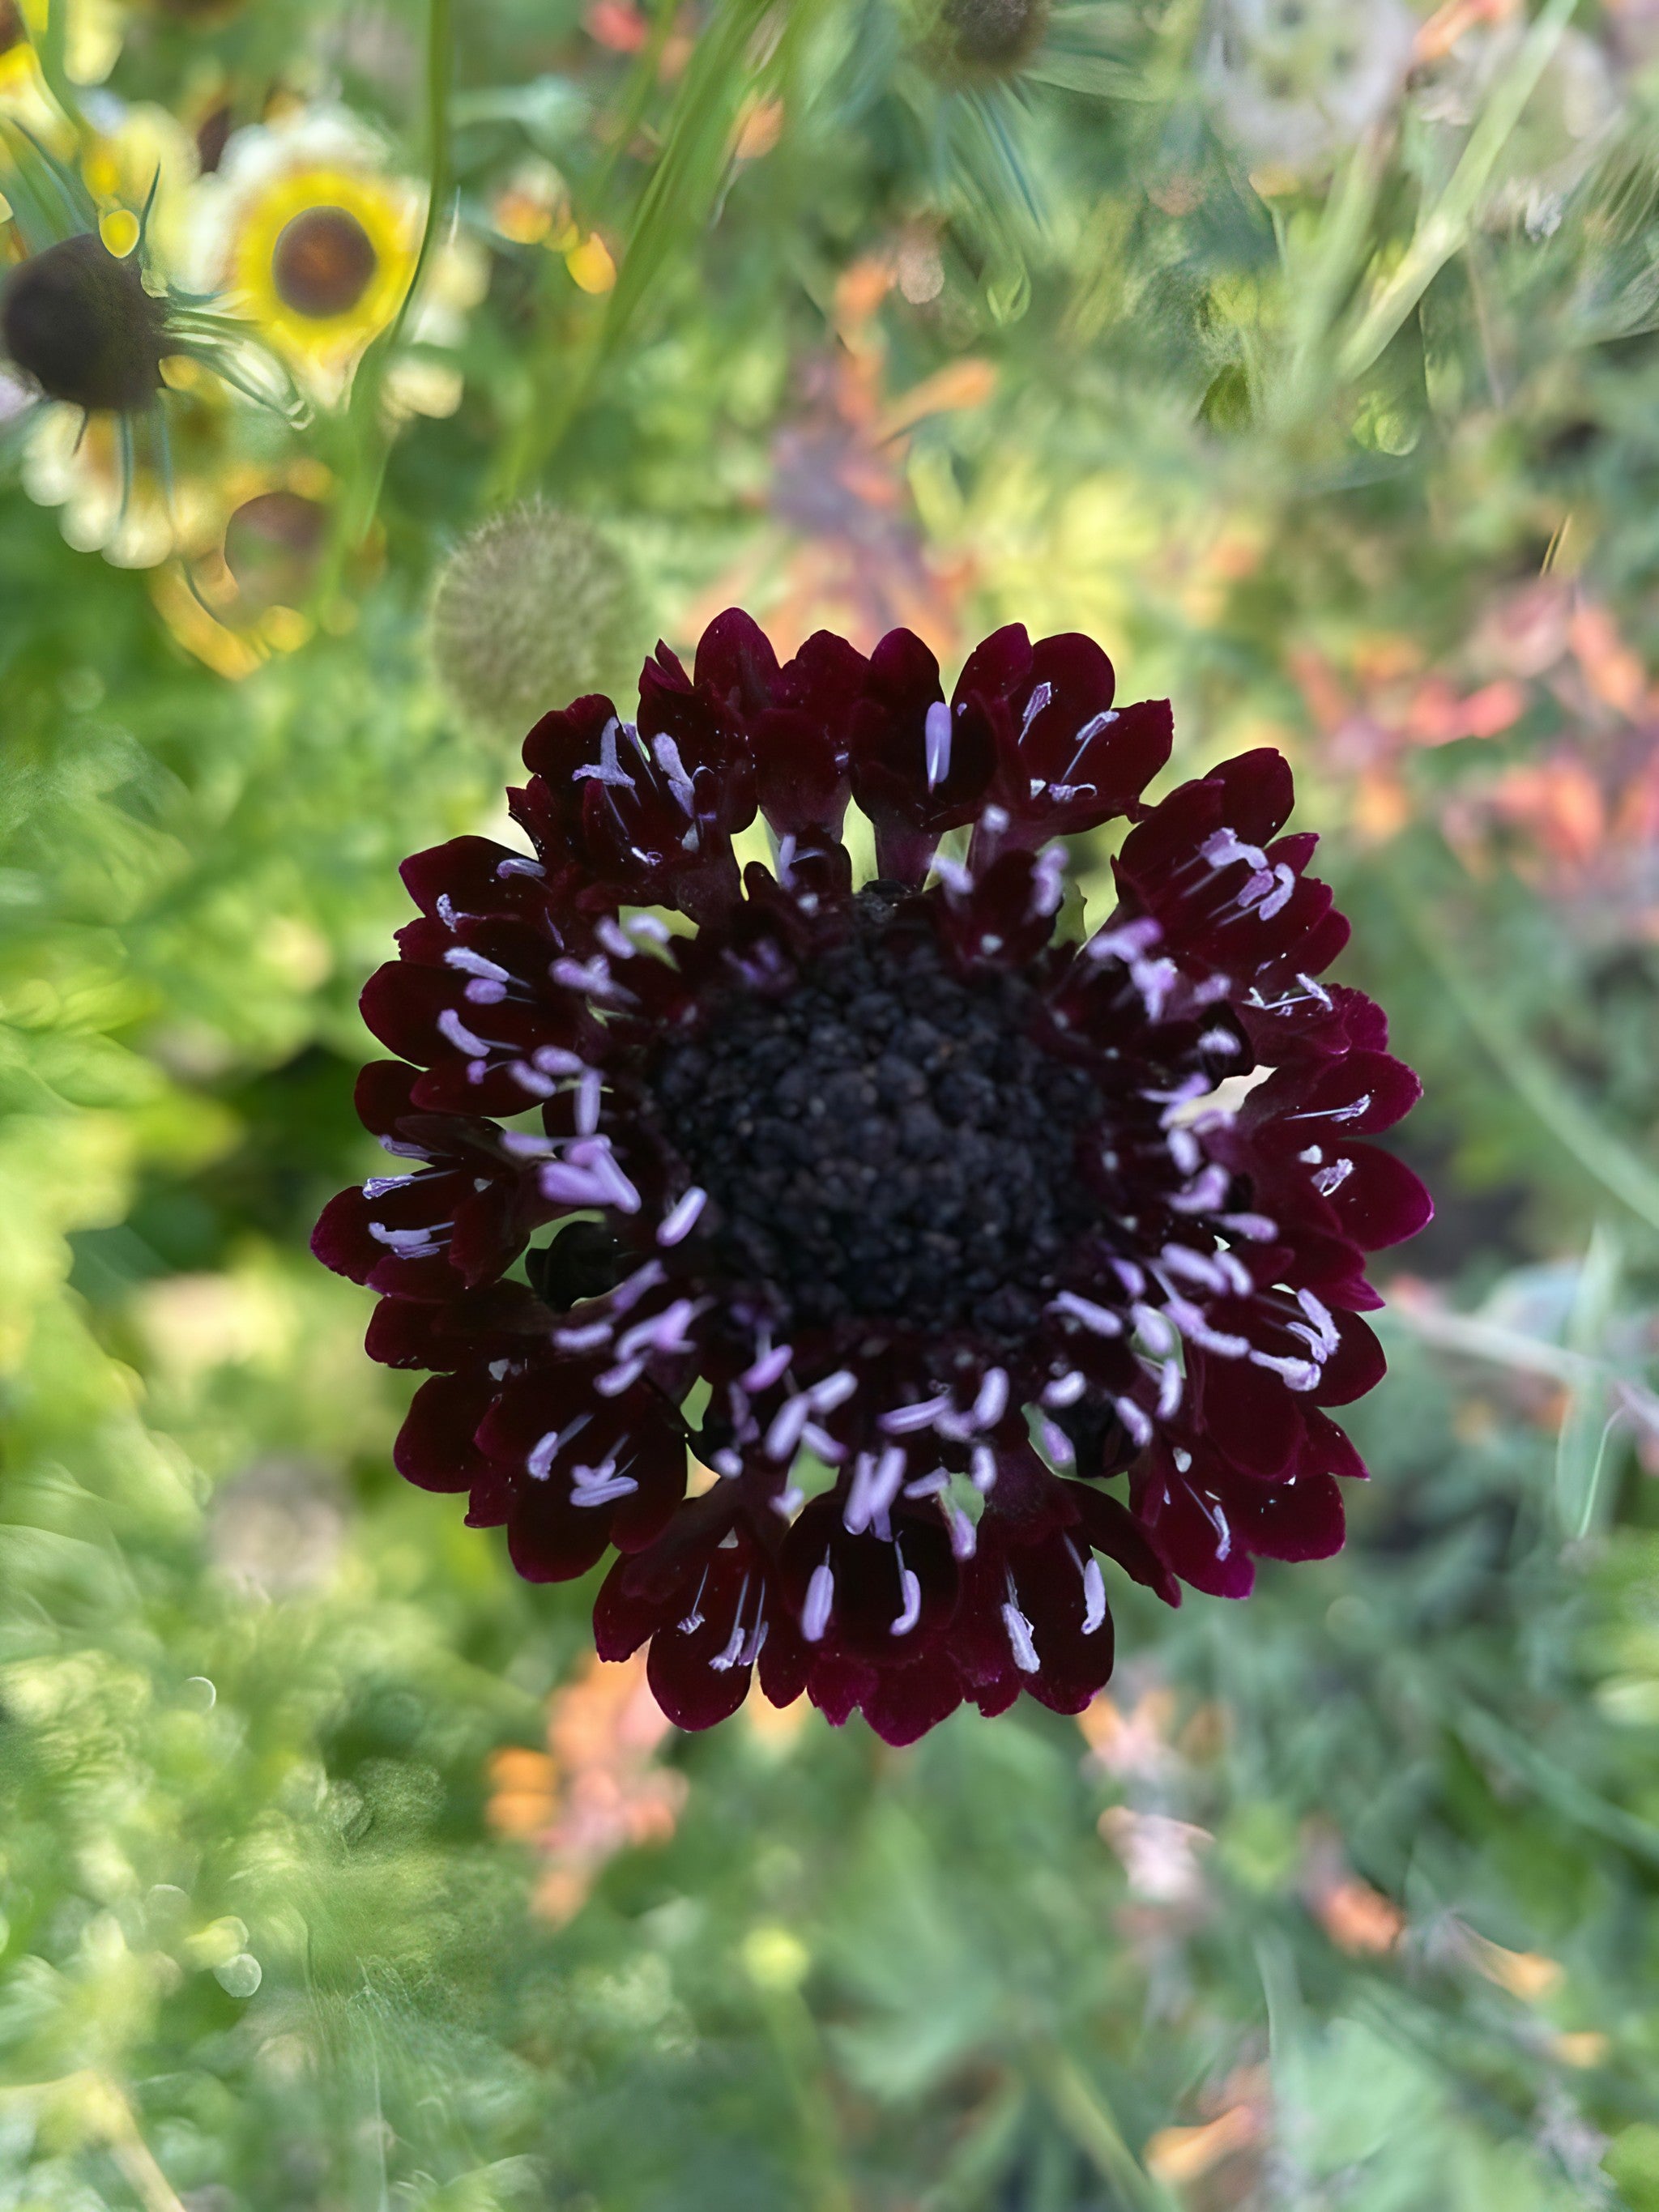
[(11, 26), (80, 322), (323, 263), (994, 34)]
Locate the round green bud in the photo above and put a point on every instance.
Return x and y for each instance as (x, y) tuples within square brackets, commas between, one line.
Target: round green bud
[(535, 609)]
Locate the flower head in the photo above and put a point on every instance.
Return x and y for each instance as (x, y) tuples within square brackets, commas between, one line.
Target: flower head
[(987, 38), (1295, 83), (316, 237), (533, 604), (95, 332), (82, 324), (917, 1222)]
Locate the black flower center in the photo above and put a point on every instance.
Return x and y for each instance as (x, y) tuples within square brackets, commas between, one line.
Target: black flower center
[(82, 324), (885, 1141), (323, 263)]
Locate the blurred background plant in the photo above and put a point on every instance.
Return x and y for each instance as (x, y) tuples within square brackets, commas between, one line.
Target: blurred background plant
[(1305, 352)]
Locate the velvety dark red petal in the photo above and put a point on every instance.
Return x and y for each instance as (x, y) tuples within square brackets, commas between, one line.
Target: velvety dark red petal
[(1111, 1527), (904, 1702), (564, 742), (890, 765), (1186, 1520), (434, 1448), (688, 1681), (403, 1005), (504, 1321), (1329, 1450), (1251, 1415), (1257, 793), (1356, 1366), (1301, 1519), (1380, 1202), (341, 1239), (736, 663), (472, 876), (550, 1540)]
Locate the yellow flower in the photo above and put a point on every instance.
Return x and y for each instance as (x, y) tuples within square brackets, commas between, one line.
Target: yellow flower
[(314, 239), (322, 259)]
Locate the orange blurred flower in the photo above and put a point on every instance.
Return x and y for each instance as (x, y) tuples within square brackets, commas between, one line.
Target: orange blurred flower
[(596, 1790)]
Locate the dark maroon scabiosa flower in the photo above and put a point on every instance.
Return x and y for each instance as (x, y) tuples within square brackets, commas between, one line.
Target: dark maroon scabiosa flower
[(917, 1221)]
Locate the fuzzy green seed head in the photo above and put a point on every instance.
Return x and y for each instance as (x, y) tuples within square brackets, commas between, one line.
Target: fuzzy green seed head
[(533, 610)]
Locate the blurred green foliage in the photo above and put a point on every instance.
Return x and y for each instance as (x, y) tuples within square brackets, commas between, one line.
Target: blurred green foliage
[(1307, 357)]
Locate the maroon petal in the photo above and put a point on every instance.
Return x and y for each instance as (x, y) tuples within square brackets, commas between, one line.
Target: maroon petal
[(1378, 1200), (1185, 1515), (1329, 1450), (1111, 1527), (1301, 1519), (434, 1448), (1356, 1366), (902, 1703), (891, 760), (1251, 1415)]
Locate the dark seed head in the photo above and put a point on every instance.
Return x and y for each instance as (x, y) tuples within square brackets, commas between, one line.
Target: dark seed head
[(82, 324), (887, 1141), (991, 37), (323, 263), (272, 543)]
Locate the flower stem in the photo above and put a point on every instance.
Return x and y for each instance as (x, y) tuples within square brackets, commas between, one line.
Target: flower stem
[(1603, 1156), (1446, 227), (361, 496)]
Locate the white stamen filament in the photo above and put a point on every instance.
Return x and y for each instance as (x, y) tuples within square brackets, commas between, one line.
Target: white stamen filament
[(1064, 1389), (1020, 1638), (450, 1025), (588, 1092), (784, 1434), (992, 1399), (820, 1597), (903, 1420), (911, 1593), (1099, 1320), (834, 1390), (615, 1380), (768, 1369), (936, 741)]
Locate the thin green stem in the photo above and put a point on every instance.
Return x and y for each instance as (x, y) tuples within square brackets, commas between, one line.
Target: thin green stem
[(52, 51), (1448, 223), (1603, 1156), (361, 498), (1081, 2108)]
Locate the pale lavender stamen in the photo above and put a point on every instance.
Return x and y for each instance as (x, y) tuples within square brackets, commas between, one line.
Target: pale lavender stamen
[(820, 1597), (1064, 1389), (1020, 1638), (588, 1092), (904, 1420), (992, 1399), (450, 1025), (768, 1369), (784, 1434), (1100, 1321), (615, 1380), (681, 1218), (936, 739), (910, 1592)]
